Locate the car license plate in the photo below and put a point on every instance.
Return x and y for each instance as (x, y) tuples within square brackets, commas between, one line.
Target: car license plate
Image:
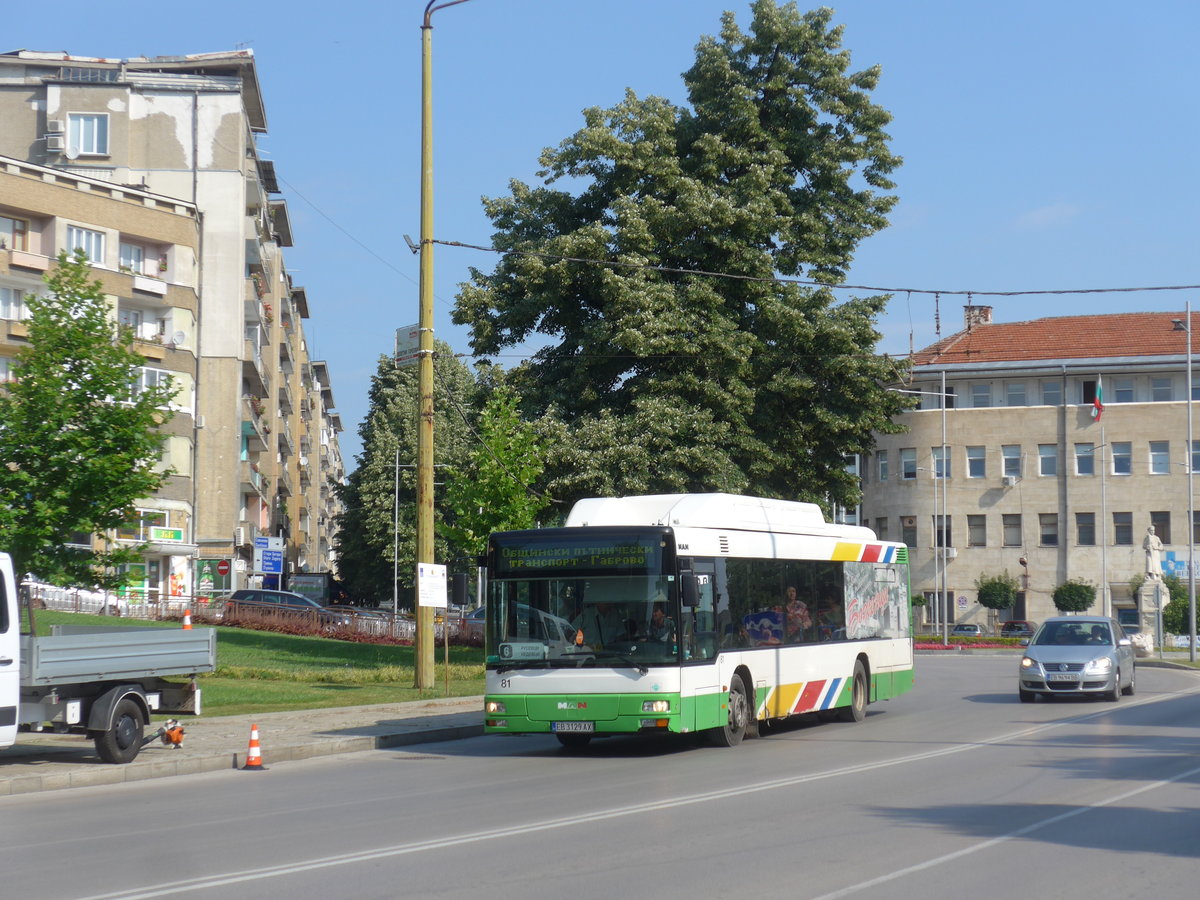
[(563, 727), (1062, 676)]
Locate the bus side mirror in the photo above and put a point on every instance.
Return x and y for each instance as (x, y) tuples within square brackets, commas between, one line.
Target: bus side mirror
[(689, 589), (460, 589)]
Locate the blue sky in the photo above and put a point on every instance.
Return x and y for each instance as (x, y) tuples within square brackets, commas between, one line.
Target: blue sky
[(1047, 145)]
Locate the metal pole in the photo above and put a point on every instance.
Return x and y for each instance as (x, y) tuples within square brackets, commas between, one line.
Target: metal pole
[(1191, 500), (945, 528), (396, 544), (1107, 598), (425, 636)]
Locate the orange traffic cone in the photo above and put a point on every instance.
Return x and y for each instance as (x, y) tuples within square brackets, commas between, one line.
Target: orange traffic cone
[(254, 754), (187, 620)]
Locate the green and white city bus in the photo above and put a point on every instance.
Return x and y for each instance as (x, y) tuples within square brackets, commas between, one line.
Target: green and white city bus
[(681, 613)]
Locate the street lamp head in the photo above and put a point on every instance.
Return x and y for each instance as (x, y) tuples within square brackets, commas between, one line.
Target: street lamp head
[(1178, 325)]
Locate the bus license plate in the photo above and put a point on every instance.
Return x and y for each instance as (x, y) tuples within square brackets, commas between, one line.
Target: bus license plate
[(564, 727), (1062, 676)]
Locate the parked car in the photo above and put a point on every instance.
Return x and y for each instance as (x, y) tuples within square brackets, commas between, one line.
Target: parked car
[(967, 630), (1077, 655), (1018, 628), (471, 628), (282, 603)]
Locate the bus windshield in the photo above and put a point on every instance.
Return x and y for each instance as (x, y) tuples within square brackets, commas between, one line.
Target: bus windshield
[(603, 620)]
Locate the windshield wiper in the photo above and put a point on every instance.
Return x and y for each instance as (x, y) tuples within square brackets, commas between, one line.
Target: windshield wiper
[(628, 660)]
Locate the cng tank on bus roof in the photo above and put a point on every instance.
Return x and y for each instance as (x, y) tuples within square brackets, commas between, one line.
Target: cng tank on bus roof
[(727, 511)]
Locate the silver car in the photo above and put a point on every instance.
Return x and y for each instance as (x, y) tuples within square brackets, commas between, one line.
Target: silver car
[(1077, 655)]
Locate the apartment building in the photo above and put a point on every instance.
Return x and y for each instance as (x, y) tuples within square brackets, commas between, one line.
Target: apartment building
[(1044, 449), (176, 138)]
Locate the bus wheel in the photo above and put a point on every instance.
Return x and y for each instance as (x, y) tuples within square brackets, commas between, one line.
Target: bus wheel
[(574, 741), (738, 707), (857, 710)]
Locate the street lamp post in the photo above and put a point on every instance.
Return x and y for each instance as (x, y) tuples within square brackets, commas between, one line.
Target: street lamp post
[(1191, 466), (424, 675)]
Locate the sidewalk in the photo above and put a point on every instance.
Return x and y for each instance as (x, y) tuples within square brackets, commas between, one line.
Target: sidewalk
[(46, 762)]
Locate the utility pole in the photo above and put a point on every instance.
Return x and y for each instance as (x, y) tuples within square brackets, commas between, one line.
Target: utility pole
[(423, 667)]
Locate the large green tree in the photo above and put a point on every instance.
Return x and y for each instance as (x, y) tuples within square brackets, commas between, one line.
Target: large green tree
[(79, 436), (684, 379), (366, 536)]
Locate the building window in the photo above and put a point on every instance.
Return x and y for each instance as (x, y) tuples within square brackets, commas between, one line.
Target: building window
[(908, 464), (1014, 393), (1122, 458), (1051, 393), (941, 462), (90, 242), (14, 233), (981, 394), (1196, 526), (133, 258), (976, 531), (138, 528), (1085, 529), (1087, 392), (1195, 386), (1196, 456), (941, 531), (1162, 525), (148, 378), (1122, 390), (908, 530), (1123, 528), (1047, 459), (1012, 529), (1048, 529), (1161, 389), (1160, 458), (5, 370), (88, 133), (881, 528), (976, 462), (883, 465), (1011, 454), (1085, 459), (12, 304)]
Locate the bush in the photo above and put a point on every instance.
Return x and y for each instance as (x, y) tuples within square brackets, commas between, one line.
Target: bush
[(1074, 596)]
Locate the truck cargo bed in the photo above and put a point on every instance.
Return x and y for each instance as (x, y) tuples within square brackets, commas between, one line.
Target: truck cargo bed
[(75, 653)]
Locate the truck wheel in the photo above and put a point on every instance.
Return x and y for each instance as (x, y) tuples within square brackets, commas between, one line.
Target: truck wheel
[(123, 740)]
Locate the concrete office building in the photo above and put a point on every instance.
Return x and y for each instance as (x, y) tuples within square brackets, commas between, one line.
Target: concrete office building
[(210, 295), (1016, 473)]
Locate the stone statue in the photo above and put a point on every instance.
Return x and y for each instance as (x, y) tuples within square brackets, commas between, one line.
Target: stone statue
[(1153, 547)]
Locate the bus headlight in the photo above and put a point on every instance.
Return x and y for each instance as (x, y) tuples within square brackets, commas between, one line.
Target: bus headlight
[(656, 706), (495, 706)]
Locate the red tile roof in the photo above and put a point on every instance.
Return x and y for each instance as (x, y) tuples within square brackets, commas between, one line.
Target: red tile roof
[(1068, 337)]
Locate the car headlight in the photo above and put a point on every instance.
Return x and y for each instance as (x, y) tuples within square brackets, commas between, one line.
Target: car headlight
[(1027, 663), (495, 706), (1097, 666)]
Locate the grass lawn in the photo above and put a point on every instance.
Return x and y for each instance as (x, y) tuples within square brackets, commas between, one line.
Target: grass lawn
[(260, 671)]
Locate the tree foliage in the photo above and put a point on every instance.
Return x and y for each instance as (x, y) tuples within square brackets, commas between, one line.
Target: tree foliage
[(78, 444), (996, 591), (493, 490), (1074, 596), (779, 166), (366, 540)]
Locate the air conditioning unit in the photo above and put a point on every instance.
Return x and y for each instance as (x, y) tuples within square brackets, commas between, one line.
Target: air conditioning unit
[(55, 126), (1010, 480), (239, 536), (908, 521), (56, 143), (950, 552)]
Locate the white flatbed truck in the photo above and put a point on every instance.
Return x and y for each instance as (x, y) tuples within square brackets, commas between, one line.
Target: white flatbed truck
[(101, 682)]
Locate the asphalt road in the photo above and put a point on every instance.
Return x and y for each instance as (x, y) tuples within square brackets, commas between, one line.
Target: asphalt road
[(954, 790)]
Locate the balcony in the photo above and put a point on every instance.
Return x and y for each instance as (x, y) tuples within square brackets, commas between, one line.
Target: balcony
[(251, 479), (254, 426), (285, 398), (253, 371)]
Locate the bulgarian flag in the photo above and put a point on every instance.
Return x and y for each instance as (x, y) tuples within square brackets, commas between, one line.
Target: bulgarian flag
[(1098, 403)]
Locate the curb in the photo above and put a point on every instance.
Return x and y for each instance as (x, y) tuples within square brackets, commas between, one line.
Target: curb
[(91, 776)]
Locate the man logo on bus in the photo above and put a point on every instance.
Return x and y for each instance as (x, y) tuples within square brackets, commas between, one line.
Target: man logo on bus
[(572, 705)]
